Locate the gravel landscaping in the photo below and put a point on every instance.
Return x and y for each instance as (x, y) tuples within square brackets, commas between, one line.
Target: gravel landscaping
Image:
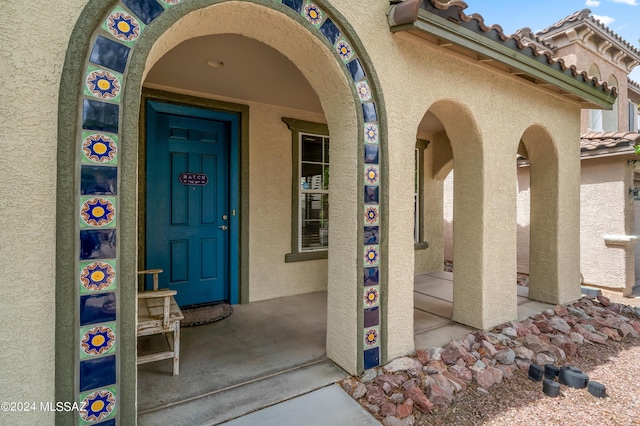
[(483, 378)]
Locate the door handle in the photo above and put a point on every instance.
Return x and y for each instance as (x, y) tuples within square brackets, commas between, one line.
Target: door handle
[(223, 227)]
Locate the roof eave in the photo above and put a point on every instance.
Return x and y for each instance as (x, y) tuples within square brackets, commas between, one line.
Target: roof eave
[(571, 87)]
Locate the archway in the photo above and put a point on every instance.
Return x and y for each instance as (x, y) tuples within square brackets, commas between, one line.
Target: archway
[(122, 40)]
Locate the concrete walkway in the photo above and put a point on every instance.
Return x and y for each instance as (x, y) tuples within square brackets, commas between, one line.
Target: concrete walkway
[(266, 363)]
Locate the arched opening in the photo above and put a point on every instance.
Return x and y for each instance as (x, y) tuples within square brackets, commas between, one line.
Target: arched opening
[(538, 147), (312, 39)]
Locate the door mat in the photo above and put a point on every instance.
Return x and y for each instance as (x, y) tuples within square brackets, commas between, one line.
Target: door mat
[(205, 314)]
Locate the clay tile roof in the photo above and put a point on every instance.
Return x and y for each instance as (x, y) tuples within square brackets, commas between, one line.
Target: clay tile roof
[(595, 141), (453, 10), (633, 85), (585, 15)]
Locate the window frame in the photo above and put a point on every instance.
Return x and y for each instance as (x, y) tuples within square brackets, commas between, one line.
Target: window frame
[(418, 240), (298, 128)]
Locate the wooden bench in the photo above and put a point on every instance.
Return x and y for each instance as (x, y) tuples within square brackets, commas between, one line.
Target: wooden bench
[(158, 313)]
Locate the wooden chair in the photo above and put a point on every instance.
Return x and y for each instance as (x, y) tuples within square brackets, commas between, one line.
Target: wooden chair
[(158, 313)]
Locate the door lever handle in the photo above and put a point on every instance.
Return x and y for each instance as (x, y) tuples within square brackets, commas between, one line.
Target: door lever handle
[(223, 227)]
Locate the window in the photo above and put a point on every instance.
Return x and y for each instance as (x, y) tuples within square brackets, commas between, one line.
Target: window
[(632, 117), (309, 190), (418, 195)]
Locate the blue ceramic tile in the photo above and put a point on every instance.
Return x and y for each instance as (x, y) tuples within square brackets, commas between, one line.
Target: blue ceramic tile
[(371, 194), (147, 10), (101, 116), (98, 244), (110, 54), (96, 373), (97, 180), (371, 317), (371, 276), (369, 111), (372, 235), (330, 31), (97, 308), (111, 422), (371, 358), (293, 4), (371, 154), (356, 70)]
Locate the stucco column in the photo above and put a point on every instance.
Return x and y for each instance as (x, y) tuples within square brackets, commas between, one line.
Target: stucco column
[(484, 289), (555, 219), (399, 245)]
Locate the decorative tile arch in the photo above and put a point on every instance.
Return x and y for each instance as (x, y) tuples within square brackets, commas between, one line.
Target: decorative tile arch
[(94, 345)]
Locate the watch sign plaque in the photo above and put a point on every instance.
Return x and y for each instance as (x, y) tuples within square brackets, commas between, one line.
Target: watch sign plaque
[(193, 179)]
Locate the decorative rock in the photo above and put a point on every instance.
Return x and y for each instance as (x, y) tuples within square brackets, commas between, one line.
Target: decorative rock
[(505, 356), (497, 374), (543, 326), (627, 329), (556, 352), (369, 375), (445, 384), (592, 337), (393, 380), (565, 343), (604, 300), (484, 378), (405, 409), (482, 390), (560, 310), (435, 353), (373, 408), (375, 395), (507, 373), (489, 348), (420, 400), (359, 391), (544, 358), (439, 396), (452, 352), (559, 324), (479, 365), (510, 332), (577, 311), (403, 364), (412, 383), (523, 364), (534, 343), (458, 383), (576, 338), (462, 372), (388, 409), (423, 356), (524, 353), (394, 421), (434, 367), (398, 398), (611, 333)]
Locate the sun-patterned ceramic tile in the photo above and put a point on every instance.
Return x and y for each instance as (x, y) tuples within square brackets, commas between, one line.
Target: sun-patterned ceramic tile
[(344, 49), (101, 148), (97, 212), (103, 84), (372, 174), (372, 255), (98, 405), (364, 91), (372, 296), (371, 133), (99, 275), (123, 26), (371, 337), (371, 214), (313, 13), (97, 340)]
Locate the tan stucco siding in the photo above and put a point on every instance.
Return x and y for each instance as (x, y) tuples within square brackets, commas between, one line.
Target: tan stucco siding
[(32, 53)]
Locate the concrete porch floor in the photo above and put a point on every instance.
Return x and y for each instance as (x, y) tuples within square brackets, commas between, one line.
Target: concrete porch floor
[(272, 351)]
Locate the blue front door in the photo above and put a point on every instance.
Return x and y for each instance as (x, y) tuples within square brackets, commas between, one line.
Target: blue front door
[(188, 205)]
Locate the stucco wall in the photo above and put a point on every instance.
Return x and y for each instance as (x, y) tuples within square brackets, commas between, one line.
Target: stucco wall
[(31, 60), (606, 209)]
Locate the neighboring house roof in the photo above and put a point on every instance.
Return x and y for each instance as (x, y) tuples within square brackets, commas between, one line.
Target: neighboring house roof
[(600, 144), (582, 25), (634, 91), (446, 25)]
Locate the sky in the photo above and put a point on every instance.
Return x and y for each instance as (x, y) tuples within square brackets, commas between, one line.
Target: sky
[(621, 16)]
